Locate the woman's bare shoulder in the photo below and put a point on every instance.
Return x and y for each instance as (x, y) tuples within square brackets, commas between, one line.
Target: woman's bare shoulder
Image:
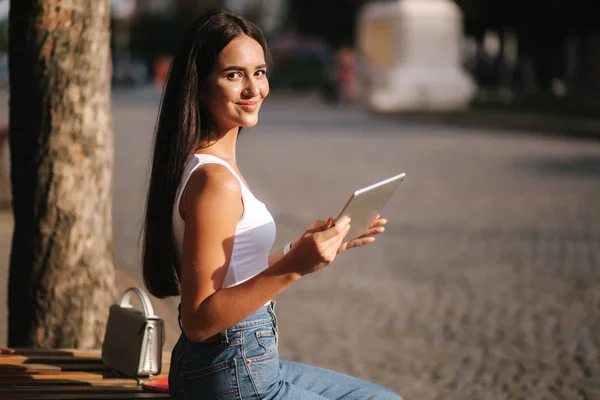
[(211, 185)]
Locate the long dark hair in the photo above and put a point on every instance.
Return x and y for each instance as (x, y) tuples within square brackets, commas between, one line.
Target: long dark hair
[(183, 127)]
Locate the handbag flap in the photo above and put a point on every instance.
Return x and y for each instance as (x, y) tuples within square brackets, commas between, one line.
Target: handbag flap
[(123, 339)]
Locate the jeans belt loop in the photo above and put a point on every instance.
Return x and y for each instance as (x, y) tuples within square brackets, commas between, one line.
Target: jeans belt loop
[(272, 312), (224, 337)]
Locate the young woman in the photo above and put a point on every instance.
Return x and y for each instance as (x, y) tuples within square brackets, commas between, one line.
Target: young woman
[(208, 238)]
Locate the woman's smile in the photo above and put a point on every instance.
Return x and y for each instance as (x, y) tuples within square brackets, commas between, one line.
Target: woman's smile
[(249, 106)]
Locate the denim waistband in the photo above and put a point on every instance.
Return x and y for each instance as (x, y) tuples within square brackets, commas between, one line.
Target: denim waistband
[(263, 316)]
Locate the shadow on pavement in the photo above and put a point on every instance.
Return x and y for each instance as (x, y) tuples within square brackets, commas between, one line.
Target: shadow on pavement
[(582, 166)]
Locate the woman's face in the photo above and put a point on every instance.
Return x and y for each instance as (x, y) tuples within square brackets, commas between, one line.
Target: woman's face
[(237, 85)]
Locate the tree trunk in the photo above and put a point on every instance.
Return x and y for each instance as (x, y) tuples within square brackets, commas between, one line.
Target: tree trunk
[(62, 265)]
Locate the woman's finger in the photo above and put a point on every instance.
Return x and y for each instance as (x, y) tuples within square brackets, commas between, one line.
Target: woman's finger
[(373, 231), (379, 222), (338, 229), (356, 243), (330, 245), (320, 225), (317, 224)]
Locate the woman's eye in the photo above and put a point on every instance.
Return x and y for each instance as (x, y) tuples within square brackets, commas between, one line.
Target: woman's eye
[(234, 75), (261, 72)]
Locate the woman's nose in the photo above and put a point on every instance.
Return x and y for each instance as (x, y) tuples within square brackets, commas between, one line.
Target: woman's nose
[(251, 88)]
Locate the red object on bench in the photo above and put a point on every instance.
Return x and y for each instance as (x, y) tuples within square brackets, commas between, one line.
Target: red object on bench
[(158, 385)]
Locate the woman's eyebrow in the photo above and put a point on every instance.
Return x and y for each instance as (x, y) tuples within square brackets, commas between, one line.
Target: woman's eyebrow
[(237, 68)]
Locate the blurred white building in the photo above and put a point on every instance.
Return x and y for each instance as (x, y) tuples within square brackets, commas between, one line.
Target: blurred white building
[(411, 49), (4, 7)]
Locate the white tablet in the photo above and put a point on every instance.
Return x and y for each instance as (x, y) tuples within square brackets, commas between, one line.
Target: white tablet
[(364, 205)]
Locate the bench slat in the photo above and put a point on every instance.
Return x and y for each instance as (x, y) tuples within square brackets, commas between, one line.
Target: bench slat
[(18, 360), (58, 353), (44, 368), (116, 382), (50, 352)]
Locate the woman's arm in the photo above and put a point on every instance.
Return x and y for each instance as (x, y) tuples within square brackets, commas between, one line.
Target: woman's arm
[(212, 207), (278, 255), (274, 257)]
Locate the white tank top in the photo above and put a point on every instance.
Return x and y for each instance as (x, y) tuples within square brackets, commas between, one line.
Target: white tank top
[(254, 233)]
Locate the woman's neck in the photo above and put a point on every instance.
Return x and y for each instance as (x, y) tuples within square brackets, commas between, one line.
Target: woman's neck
[(224, 147)]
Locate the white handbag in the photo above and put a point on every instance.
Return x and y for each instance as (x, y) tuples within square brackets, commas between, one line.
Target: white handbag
[(134, 338)]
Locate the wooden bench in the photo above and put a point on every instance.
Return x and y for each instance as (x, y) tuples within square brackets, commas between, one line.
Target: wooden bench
[(67, 374)]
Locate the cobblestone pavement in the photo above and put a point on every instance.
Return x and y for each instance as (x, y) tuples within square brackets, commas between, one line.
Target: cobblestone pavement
[(486, 284)]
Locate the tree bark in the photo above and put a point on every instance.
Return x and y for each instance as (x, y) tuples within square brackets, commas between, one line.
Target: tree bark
[(62, 264)]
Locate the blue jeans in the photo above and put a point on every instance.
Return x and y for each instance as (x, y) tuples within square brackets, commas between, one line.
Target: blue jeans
[(244, 364)]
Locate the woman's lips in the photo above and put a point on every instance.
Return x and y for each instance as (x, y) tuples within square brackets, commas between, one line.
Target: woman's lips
[(248, 105)]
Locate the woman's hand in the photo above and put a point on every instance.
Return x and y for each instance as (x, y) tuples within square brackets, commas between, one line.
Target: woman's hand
[(318, 246), (376, 228)]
